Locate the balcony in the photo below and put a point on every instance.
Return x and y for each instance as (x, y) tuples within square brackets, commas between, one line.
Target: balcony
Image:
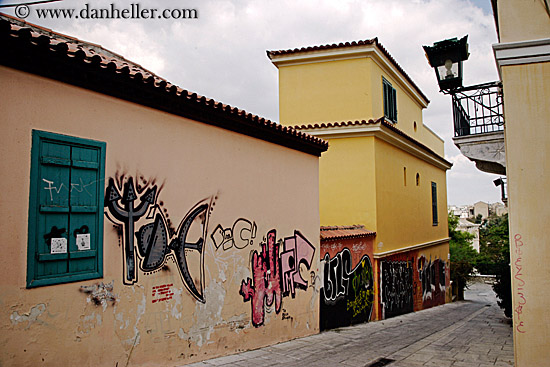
[(479, 125)]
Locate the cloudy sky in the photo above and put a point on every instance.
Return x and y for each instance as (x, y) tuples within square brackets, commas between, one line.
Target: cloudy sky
[(222, 53)]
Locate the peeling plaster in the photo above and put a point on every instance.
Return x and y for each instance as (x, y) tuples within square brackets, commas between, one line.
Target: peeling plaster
[(30, 317), (207, 315), (126, 320), (88, 322), (177, 308)]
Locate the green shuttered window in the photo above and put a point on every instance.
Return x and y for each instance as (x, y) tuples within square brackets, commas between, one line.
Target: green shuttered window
[(435, 221), (390, 101), (65, 209)]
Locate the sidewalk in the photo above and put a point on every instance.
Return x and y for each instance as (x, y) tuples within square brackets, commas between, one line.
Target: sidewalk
[(472, 333)]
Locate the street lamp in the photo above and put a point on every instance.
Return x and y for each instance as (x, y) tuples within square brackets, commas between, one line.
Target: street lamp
[(446, 58)]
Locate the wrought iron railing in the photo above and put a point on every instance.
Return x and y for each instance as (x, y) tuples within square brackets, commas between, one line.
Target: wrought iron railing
[(477, 109)]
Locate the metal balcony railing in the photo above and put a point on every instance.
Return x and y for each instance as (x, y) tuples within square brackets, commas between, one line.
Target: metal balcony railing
[(477, 109)]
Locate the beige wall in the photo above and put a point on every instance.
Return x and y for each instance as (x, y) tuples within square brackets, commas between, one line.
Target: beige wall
[(522, 20), (272, 186), (527, 111)]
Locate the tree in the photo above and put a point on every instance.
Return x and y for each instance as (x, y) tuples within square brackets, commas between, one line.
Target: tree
[(463, 257), (494, 259)]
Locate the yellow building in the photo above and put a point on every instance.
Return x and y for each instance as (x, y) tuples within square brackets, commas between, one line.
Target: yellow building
[(523, 59), (384, 168)]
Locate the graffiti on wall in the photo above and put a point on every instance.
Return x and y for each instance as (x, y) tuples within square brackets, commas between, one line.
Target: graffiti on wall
[(276, 274), (348, 293), (396, 287), (431, 275), (242, 234), (154, 242), (520, 283)]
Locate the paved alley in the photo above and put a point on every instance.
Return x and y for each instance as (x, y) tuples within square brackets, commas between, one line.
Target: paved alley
[(472, 333)]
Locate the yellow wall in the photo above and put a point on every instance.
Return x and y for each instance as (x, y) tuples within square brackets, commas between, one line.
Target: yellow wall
[(275, 187), (527, 111), (361, 178), (348, 90), (404, 212), (325, 92), (347, 182)]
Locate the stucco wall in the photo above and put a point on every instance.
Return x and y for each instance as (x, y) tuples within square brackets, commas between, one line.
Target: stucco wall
[(326, 91), (520, 21), (526, 96), (403, 203), (251, 187), (347, 182)]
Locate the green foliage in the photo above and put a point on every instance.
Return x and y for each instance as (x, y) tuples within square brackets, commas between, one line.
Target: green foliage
[(494, 258), (463, 257)]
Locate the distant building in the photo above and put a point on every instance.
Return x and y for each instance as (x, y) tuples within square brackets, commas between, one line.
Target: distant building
[(481, 208), (472, 228)]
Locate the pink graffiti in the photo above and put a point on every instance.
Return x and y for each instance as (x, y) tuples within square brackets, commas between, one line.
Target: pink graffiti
[(521, 299), (266, 284), (274, 277), (297, 250)]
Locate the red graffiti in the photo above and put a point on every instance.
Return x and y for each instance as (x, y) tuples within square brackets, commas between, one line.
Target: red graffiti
[(265, 288), (162, 292), (521, 299)]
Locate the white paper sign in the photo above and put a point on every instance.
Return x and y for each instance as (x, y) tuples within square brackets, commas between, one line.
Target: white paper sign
[(83, 241), (58, 246)]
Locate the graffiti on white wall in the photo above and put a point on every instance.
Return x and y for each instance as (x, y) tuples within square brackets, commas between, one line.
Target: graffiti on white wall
[(153, 243)]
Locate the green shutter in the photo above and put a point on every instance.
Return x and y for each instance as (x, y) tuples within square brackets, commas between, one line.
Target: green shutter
[(390, 101), (66, 197), (434, 204)]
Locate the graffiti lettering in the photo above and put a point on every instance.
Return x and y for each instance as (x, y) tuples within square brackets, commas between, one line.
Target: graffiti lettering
[(154, 242), (79, 187), (266, 286), (297, 250), (241, 235), (396, 285), (361, 302), (520, 296), (432, 276), (162, 293), (348, 293)]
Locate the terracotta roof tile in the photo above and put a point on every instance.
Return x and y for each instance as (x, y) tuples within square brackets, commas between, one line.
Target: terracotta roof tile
[(373, 41), (41, 51), (344, 232)]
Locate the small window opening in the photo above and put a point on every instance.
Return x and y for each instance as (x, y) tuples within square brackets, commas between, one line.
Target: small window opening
[(418, 179)]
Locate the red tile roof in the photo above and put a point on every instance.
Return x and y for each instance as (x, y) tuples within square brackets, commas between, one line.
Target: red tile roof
[(344, 232), (373, 41), (41, 51), (382, 121)]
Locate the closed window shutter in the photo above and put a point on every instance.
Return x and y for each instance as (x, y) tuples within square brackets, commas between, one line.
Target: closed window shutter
[(66, 205), (390, 101), (434, 204)]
